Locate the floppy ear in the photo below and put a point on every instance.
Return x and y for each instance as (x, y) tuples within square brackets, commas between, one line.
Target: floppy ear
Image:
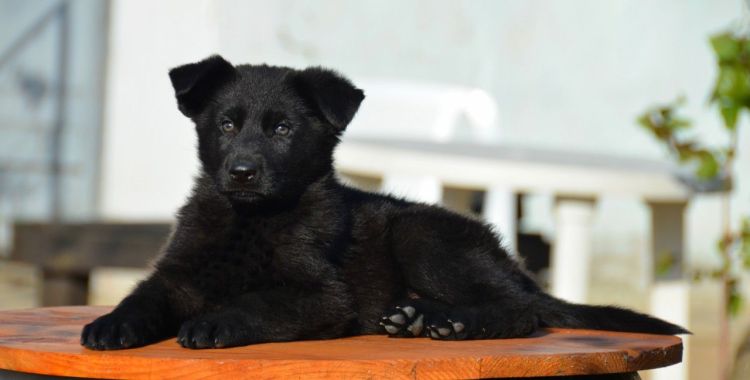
[(334, 96), (195, 83)]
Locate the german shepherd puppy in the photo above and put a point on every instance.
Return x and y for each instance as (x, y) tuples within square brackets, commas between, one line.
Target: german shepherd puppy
[(271, 247)]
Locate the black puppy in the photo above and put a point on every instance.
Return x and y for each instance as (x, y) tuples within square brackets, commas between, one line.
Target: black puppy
[(271, 247)]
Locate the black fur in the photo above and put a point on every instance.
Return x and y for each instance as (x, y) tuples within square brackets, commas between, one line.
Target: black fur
[(271, 247)]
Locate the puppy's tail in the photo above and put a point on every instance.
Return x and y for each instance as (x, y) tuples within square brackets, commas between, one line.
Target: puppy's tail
[(554, 312)]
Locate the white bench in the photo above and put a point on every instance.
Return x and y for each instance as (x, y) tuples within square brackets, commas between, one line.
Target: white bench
[(421, 170)]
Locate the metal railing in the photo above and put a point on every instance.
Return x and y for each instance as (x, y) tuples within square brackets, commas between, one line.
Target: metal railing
[(58, 17)]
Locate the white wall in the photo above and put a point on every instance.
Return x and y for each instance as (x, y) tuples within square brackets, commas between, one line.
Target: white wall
[(568, 75), (149, 157)]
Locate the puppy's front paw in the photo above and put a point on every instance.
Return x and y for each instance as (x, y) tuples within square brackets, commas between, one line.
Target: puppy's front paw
[(403, 322), (218, 330), (119, 330)]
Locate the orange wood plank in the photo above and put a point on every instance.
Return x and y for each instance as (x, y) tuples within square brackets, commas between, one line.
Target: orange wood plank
[(45, 341)]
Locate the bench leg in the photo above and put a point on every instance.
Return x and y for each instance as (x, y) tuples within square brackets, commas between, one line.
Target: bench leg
[(571, 250), (500, 210)]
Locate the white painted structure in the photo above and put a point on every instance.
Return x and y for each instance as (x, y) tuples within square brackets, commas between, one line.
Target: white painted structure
[(670, 300), (419, 111), (577, 179)]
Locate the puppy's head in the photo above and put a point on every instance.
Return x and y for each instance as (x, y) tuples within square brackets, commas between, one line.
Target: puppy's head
[(264, 132)]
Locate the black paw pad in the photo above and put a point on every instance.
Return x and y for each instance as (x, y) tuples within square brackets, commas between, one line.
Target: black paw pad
[(447, 330), (404, 322)]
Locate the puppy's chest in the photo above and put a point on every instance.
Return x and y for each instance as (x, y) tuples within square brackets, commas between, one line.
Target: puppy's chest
[(243, 262)]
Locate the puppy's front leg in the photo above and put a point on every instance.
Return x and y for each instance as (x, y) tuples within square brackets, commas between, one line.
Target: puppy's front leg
[(154, 310), (141, 318), (293, 312)]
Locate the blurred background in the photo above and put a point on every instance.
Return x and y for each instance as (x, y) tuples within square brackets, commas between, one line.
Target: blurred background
[(521, 112)]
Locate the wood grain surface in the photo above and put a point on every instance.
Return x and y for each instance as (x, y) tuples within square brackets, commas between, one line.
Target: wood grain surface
[(46, 341)]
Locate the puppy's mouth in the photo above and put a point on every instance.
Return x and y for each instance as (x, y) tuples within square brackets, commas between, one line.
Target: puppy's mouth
[(242, 194)]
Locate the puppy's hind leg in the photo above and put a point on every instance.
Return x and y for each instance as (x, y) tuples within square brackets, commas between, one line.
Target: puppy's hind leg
[(460, 263), (487, 321), (429, 318)]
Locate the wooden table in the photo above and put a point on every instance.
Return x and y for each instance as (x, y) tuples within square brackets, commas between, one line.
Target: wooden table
[(46, 341)]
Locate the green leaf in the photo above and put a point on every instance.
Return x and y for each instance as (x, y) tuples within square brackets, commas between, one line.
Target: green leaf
[(708, 165), (664, 263), (722, 245), (726, 46), (729, 112), (732, 85), (678, 124), (735, 301), (685, 151), (735, 304), (645, 121)]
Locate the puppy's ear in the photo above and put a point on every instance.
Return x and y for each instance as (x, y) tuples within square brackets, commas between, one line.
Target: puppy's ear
[(334, 96), (195, 83)]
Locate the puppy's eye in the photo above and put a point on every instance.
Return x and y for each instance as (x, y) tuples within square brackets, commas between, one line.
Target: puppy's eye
[(226, 126), (281, 129)]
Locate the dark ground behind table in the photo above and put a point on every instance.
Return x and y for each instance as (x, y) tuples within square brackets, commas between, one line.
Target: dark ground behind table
[(66, 253)]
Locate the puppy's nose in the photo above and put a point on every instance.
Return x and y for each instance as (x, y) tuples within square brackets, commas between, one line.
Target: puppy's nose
[(243, 171)]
